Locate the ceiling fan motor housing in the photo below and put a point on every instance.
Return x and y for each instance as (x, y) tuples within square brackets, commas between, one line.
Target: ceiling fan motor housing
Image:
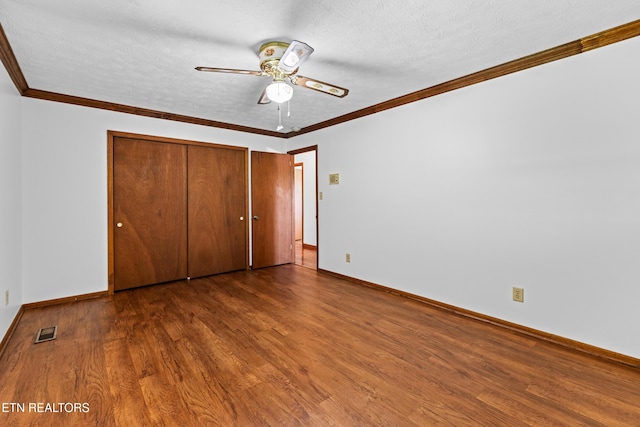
[(270, 54)]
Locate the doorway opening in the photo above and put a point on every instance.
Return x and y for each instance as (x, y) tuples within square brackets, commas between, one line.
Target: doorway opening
[(306, 207)]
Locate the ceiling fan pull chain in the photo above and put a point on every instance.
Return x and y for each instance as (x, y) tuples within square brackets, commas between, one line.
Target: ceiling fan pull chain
[(280, 127)]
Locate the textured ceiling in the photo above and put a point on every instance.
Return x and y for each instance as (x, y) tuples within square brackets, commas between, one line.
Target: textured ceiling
[(142, 53)]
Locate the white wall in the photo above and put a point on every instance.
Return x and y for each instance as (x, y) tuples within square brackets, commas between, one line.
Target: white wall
[(308, 159), (10, 202), (530, 180), (64, 150)]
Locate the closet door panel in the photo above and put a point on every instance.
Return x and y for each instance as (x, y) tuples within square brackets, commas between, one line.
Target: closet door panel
[(217, 230), (150, 217)]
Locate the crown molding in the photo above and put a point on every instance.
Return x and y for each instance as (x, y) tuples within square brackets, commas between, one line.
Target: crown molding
[(11, 63), (128, 109), (585, 44)]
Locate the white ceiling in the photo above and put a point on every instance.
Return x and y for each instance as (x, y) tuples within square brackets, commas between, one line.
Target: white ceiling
[(142, 53)]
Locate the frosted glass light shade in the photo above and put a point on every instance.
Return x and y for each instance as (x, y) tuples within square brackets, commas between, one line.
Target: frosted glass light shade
[(279, 92)]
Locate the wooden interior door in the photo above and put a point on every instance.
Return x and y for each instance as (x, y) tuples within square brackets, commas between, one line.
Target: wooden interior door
[(272, 208), (150, 212), (217, 188)]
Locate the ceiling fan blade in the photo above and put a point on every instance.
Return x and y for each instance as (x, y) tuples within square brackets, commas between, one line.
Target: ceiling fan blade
[(264, 99), (294, 56), (323, 87), (230, 70)]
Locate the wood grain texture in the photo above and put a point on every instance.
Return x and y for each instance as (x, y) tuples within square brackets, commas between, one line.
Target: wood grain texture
[(10, 63), (63, 300), (217, 238), (150, 201), (534, 333), (289, 346), (239, 166), (272, 190), (12, 327), (306, 255)]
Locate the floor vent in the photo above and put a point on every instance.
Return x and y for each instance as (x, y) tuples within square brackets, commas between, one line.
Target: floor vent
[(46, 334)]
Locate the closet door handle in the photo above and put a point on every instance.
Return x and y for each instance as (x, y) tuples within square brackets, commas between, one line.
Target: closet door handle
[(119, 225), (256, 217)]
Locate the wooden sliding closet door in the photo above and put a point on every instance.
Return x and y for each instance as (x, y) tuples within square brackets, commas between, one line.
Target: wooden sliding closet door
[(217, 208), (150, 212)]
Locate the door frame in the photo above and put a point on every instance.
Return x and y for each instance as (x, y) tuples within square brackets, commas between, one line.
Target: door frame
[(306, 150), (111, 135), (295, 189)]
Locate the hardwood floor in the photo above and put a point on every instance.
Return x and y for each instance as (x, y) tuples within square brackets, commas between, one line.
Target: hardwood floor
[(289, 346), (306, 256)]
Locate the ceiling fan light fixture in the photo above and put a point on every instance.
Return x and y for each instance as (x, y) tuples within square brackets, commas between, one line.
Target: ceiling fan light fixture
[(279, 92)]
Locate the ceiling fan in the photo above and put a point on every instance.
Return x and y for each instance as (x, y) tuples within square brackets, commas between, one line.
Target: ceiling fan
[(281, 61)]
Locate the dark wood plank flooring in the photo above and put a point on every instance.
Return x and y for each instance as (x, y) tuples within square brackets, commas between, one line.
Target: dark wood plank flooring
[(289, 346)]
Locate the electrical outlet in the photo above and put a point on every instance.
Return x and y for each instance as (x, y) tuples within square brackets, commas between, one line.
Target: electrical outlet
[(518, 294), (334, 178), (6, 297), (348, 258)]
